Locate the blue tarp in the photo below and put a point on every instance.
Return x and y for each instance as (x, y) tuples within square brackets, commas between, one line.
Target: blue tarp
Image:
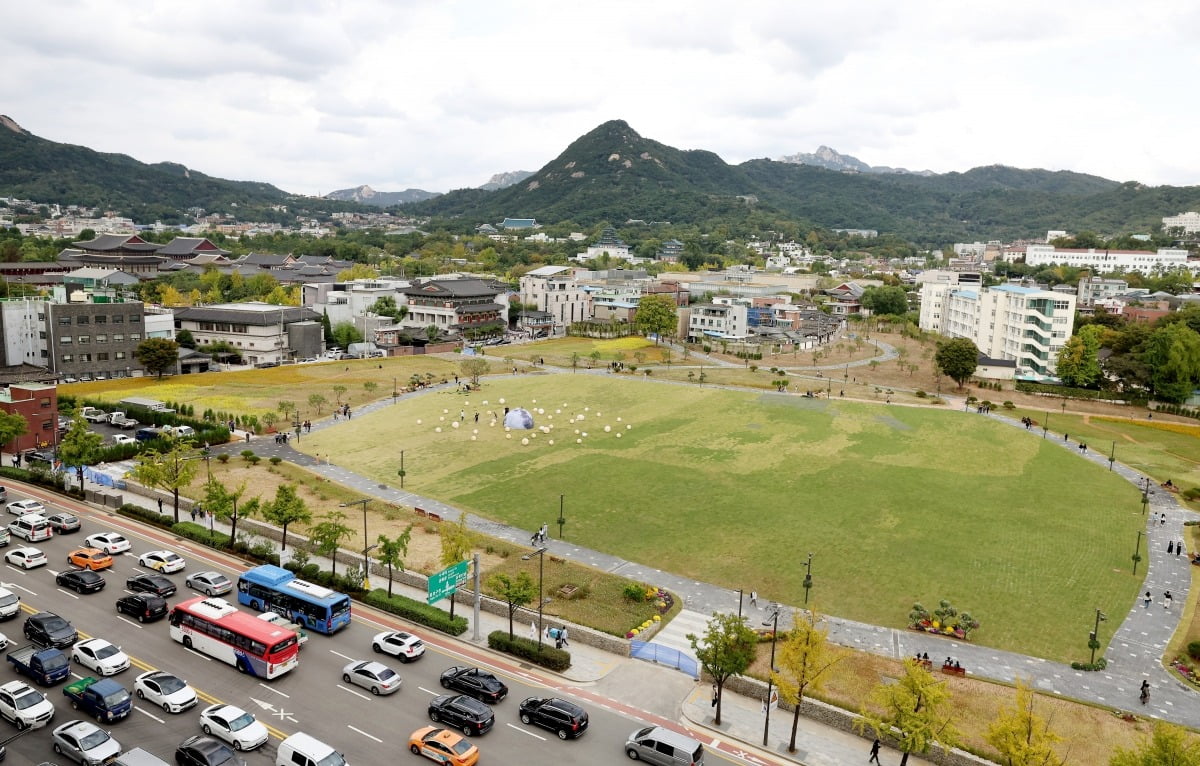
[(664, 655)]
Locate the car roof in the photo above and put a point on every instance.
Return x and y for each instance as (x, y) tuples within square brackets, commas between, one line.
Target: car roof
[(77, 727), (15, 686)]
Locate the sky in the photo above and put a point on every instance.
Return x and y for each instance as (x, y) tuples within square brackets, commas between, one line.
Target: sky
[(317, 96)]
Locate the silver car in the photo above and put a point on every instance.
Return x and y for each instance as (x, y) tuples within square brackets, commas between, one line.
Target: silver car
[(86, 743), (209, 583), (376, 676)]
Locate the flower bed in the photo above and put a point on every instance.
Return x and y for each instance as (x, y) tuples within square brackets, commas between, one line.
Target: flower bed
[(932, 626), (1185, 669)]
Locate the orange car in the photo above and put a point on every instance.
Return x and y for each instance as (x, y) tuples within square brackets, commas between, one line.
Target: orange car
[(443, 746), (89, 558)]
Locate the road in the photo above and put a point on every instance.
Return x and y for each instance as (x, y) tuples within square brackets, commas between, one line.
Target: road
[(311, 698)]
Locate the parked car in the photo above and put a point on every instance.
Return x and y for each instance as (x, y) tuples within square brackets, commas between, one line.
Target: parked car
[(166, 690), (22, 507), (209, 583), (62, 523), (39, 456), (443, 746), (157, 584), (89, 558), (10, 604), (199, 750), (234, 725), (24, 706), (165, 562), (109, 542), (467, 714), (101, 656), (48, 629), (26, 557), (376, 676), (479, 684), (123, 439), (563, 717), (397, 643), (80, 580), (3, 495), (85, 742), (143, 606)]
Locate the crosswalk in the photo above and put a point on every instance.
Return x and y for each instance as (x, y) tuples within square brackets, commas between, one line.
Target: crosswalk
[(674, 636)]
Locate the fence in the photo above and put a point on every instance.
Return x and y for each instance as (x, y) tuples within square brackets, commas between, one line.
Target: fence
[(664, 655)]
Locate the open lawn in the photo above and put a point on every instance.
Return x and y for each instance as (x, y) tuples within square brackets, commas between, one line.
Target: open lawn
[(899, 504)]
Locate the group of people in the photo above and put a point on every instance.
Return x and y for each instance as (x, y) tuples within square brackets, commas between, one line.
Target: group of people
[(539, 537), (1027, 422), (1167, 598)]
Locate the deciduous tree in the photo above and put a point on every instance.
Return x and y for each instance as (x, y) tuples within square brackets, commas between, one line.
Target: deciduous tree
[(456, 543), (157, 355), (957, 359), (725, 650), (317, 401), (11, 426), (515, 591), (1168, 744), (885, 300), (287, 508), (391, 552), (804, 657), (914, 708), (222, 502), (1172, 354), (79, 447), (656, 313), (1021, 736), (329, 534), (169, 471), (474, 368)]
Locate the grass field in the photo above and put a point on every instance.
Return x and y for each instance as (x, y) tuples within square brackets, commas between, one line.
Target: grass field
[(899, 504)]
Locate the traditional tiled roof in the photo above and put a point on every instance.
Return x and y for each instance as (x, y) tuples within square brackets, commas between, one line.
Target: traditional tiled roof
[(265, 260), (117, 242), (452, 288), (182, 247), (479, 308)]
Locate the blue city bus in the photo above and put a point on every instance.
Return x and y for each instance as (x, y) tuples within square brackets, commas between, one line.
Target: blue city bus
[(269, 588)]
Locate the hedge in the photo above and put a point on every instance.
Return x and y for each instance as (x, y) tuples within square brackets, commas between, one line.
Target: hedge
[(1079, 393), (518, 646), (416, 611), (153, 518), (201, 534)]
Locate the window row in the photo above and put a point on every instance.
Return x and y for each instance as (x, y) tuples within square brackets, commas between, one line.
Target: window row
[(101, 357), (82, 319), (118, 337)]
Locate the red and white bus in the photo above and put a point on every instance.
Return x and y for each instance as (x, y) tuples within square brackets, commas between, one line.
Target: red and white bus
[(215, 627)]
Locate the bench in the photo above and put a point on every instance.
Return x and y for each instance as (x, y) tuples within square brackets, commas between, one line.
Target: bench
[(950, 670), (927, 664), (433, 516), (420, 511)]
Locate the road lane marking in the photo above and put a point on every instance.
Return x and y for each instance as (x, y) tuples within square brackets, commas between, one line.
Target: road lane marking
[(344, 657), (72, 595), (14, 585), (368, 736), (427, 691), (351, 691), (197, 654), (523, 730), (147, 714), (125, 619), (268, 688)]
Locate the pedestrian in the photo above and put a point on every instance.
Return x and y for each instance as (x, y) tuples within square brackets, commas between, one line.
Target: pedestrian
[(1162, 519), (476, 417), (714, 696), (1170, 547), (1144, 695), (193, 513), (1147, 600), (247, 437), (533, 631), (160, 505), (563, 634), (1154, 517), (456, 380), (1167, 600), (1179, 548), (753, 598), (1066, 437), (874, 752), (462, 414)]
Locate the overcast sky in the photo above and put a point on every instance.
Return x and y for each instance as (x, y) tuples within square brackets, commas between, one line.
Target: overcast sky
[(318, 96)]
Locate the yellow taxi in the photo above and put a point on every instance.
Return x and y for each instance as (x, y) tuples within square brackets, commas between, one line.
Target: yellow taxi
[(443, 746), (89, 558)]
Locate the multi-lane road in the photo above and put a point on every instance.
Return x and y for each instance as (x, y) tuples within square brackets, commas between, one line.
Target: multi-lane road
[(312, 698)]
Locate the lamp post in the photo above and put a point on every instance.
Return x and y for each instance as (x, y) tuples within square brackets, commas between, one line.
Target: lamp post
[(1046, 424), (561, 520), (366, 548), (807, 578), (1112, 455), (1093, 640), (207, 454), (1137, 552), (740, 593), (395, 391), (1146, 493), (541, 554), (296, 426), (400, 473), (774, 623)]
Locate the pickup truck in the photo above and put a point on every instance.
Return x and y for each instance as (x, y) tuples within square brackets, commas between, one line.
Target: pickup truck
[(120, 420), (93, 415), (103, 698), (46, 666)]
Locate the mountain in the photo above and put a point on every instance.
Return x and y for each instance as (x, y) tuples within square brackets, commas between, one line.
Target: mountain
[(504, 180), (367, 196), (830, 159)]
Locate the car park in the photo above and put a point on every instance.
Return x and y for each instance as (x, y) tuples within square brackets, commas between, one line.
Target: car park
[(168, 691), (404, 646), (62, 523), (209, 583), (26, 557), (86, 743), (10, 604), (48, 629), (32, 527), (234, 725), (563, 717), (478, 683), (467, 714), (89, 558), (199, 750), (24, 706), (443, 746), (80, 580), (100, 656), (143, 607), (375, 676), (109, 542), (22, 507), (165, 562), (157, 584)]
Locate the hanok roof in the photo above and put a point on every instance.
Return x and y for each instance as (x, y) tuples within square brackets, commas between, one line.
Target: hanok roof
[(113, 243), (265, 260), (207, 259), (184, 247), (519, 223), (452, 288)]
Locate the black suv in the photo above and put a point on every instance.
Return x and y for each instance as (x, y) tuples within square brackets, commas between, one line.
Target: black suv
[(48, 629), (151, 583), (566, 719), (468, 715), (143, 606)]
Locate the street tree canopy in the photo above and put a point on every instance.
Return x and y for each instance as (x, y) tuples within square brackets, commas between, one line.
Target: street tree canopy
[(916, 709), (1172, 354), (11, 426), (1021, 736), (957, 359), (725, 650), (79, 446), (656, 313), (157, 355)]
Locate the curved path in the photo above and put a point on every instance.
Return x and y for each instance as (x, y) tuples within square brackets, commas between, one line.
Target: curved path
[(1134, 653)]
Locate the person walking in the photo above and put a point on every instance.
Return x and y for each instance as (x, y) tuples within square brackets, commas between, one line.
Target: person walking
[(1148, 599), (1144, 695), (1170, 547), (1179, 547), (874, 752), (753, 598), (1162, 520), (714, 696), (160, 505), (1167, 601)]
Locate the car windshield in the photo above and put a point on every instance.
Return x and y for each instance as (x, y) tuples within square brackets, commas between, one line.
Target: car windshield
[(116, 698), (241, 722), (8, 600), (170, 684), (115, 539), (54, 663), (56, 623), (218, 580), (94, 739), (28, 700), (384, 674), (107, 651), (333, 759), (462, 746)]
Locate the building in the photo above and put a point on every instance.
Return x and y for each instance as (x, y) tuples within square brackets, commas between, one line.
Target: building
[(1104, 261), (670, 251), (1023, 324), (609, 244), (1091, 289), (261, 333), (707, 321), (350, 301), (93, 336), (38, 404), (456, 306), (1189, 223), (553, 290)]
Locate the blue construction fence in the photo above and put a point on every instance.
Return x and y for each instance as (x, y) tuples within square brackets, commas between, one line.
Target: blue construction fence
[(664, 655)]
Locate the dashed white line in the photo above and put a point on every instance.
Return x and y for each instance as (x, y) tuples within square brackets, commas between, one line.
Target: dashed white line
[(68, 593), (356, 694), (525, 731), (429, 691), (148, 715), (360, 731), (268, 688), (198, 654), (344, 657), (126, 620)]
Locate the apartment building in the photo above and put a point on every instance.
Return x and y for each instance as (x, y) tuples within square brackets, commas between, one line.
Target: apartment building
[(712, 320), (553, 289), (94, 336), (1092, 289)]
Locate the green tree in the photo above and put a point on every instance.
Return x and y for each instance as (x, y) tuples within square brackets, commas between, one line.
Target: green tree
[(370, 387), (595, 357), (915, 709), (286, 407), (222, 502), (432, 332), (725, 650), (474, 368), (345, 333), (169, 471), (317, 401), (574, 360), (656, 313), (885, 300), (11, 426), (287, 508), (1168, 745), (1021, 736), (391, 552), (957, 359), (1078, 360), (805, 656), (515, 591), (79, 447), (185, 339), (329, 534), (326, 330), (157, 355), (1172, 354), (456, 541), (338, 390)]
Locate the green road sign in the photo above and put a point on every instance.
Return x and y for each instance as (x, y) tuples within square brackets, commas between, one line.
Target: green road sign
[(445, 582)]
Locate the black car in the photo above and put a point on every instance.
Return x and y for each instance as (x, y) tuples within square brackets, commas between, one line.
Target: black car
[(63, 523), (205, 751), (80, 580), (39, 456), (468, 715), (48, 629), (157, 584), (143, 606), (566, 719), (479, 684)]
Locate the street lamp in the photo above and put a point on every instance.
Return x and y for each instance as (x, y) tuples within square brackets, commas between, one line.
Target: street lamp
[(740, 592), (1137, 552), (1112, 455), (296, 426), (1146, 493), (1093, 640), (807, 578), (774, 623), (541, 554), (1046, 424), (561, 520), (395, 391), (401, 471), (366, 548)]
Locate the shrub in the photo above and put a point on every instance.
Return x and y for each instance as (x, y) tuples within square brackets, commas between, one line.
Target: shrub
[(276, 460), (145, 514), (1099, 664), (1191, 495), (634, 592), (549, 657), (418, 612), (254, 460), (1009, 405), (193, 531), (223, 458), (247, 454), (921, 394), (1193, 650)]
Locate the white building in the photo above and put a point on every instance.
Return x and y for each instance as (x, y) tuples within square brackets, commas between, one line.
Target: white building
[(1093, 289), (1189, 222), (1103, 261), (349, 301), (1019, 324), (553, 289), (710, 320), (262, 333)]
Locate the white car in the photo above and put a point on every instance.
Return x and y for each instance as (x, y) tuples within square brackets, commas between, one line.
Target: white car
[(162, 561), (376, 676), (170, 692), (124, 439), (24, 706), (26, 557), (234, 725), (399, 644), (209, 583), (85, 742), (109, 542), (22, 507), (100, 656), (10, 603)]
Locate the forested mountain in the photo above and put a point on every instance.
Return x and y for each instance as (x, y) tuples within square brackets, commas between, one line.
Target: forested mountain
[(368, 196)]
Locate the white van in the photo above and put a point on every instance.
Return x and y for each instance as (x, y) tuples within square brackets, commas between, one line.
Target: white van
[(33, 527), (302, 750), (138, 757)]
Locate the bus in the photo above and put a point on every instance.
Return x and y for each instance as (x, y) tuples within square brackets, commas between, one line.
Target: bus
[(215, 627), (269, 588)]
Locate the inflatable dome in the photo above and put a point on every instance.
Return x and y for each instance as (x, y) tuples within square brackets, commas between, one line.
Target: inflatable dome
[(518, 418)]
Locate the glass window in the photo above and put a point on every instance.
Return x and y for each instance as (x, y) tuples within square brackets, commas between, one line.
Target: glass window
[(85, 357), (118, 318), (118, 337), (135, 336), (66, 358), (65, 340), (81, 320), (64, 320), (101, 320), (101, 338), (120, 355), (102, 357), (133, 319)]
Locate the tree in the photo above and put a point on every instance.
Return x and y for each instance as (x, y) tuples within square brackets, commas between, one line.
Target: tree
[(345, 333), (370, 386), (474, 368), (656, 314), (885, 300), (285, 407), (725, 650), (391, 552), (327, 536), (157, 355), (574, 360), (1172, 354), (79, 447), (357, 271), (326, 329), (185, 339), (805, 655), (1021, 736), (338, 390), (287, 508), (432, 332), (11, 426), (456, 543), (317, 401), (957, 359), (169, 471), (1078, 361), (222, 502), (595, 357), (914, 711), (1167, 744), (515, 591)]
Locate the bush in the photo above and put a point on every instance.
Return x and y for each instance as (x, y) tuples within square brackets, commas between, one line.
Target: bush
[(276, 460), (921, 394), (223, 458), (418, 612), (1009, 405), (145, 514), (549, 657), (199, 533), (1193, 650), (1191, 495), (634, 592), (1099, 664)]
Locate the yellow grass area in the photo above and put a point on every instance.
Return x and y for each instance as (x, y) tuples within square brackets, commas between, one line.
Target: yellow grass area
[(1157, 425)]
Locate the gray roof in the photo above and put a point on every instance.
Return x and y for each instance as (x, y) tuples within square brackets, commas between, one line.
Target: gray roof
[(264, 259), (190, 246), (109, 242), (453, 288), (252, 313)]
